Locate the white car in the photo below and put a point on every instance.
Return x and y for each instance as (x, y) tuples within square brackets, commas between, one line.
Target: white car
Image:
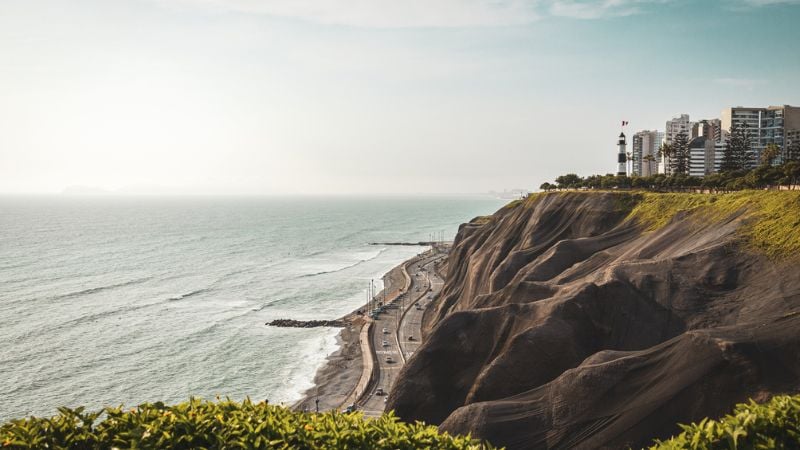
[(385, 331)]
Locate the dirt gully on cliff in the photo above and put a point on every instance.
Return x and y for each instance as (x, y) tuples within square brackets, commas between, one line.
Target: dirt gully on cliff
[(563, 324)]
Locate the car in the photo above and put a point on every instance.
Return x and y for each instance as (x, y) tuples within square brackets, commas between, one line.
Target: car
[(379, 391), (389, 359), (385, 343), (350, 408), (430, 296), (411, 338), (385, 331)]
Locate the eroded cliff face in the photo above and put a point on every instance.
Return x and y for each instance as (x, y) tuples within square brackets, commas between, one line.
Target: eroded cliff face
[(564, 324)]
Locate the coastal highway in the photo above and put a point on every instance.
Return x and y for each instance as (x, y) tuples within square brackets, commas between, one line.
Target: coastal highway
[(410, 330), (388, 341)]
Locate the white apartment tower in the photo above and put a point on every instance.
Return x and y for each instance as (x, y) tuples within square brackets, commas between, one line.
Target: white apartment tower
[(645, 152), (676, 125)]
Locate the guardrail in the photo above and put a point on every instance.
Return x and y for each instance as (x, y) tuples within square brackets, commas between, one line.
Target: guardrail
[(368, 365), (372, 379)]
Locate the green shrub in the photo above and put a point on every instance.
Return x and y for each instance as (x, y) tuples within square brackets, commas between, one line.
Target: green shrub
[(222, 425), (772, 425)]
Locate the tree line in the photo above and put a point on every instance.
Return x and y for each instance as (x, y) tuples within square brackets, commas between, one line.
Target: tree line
[(738, 168), (758, 178)]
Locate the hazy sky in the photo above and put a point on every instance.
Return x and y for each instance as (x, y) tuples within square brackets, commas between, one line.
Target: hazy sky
[(366, 96)]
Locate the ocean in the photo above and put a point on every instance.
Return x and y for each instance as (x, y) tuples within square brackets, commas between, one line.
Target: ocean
[(123, 300)]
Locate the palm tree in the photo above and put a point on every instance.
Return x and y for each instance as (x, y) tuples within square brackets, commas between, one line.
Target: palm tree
[(665, 152), (630, 163)]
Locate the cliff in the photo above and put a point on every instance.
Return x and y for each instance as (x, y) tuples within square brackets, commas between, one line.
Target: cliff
[(600, 320)]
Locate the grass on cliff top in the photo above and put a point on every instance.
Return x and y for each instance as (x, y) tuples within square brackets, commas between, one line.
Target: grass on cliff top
[(222, 425), (773, 227), (774, 216)]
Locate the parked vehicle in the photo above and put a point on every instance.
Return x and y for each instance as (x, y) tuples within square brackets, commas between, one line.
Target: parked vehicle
[(389, 359), (385, 331), (350, 408), (379, 391), (385, 343)]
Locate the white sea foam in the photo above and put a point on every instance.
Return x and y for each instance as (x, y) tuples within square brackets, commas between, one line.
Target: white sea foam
[(311, 356)]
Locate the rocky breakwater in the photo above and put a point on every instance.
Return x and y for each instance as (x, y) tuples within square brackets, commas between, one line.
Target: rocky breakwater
[(601, 320), (291, 323)]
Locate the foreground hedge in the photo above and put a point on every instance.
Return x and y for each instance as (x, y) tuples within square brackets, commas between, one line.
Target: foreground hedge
[(222, 425), (772, 425)]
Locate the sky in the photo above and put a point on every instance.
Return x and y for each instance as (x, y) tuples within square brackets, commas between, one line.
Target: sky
[(264, 97)]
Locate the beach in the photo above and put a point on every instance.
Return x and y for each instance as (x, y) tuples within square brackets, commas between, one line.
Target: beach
[(335, 381)]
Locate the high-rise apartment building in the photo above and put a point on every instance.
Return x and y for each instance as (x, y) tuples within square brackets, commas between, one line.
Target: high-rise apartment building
[(645, 152), (702, 156), (707, 157), (708, 128), (675, 126), (765, 126), (792, 136)]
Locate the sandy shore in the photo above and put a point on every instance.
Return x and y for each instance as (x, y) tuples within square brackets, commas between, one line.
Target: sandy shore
[(337, 378)]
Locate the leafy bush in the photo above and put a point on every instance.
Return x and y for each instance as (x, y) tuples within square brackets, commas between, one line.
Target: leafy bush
[(773, 425), (222, 425)]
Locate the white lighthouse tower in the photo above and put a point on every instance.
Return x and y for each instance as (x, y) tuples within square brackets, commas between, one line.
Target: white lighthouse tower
[(622, 156)]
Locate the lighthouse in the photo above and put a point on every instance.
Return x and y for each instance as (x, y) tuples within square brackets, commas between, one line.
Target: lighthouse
[(622, 156)]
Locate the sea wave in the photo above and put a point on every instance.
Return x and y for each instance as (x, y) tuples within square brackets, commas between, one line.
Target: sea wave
[(211, 286), (188, 294), (96, 289), (72, 323), (349, 266)]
